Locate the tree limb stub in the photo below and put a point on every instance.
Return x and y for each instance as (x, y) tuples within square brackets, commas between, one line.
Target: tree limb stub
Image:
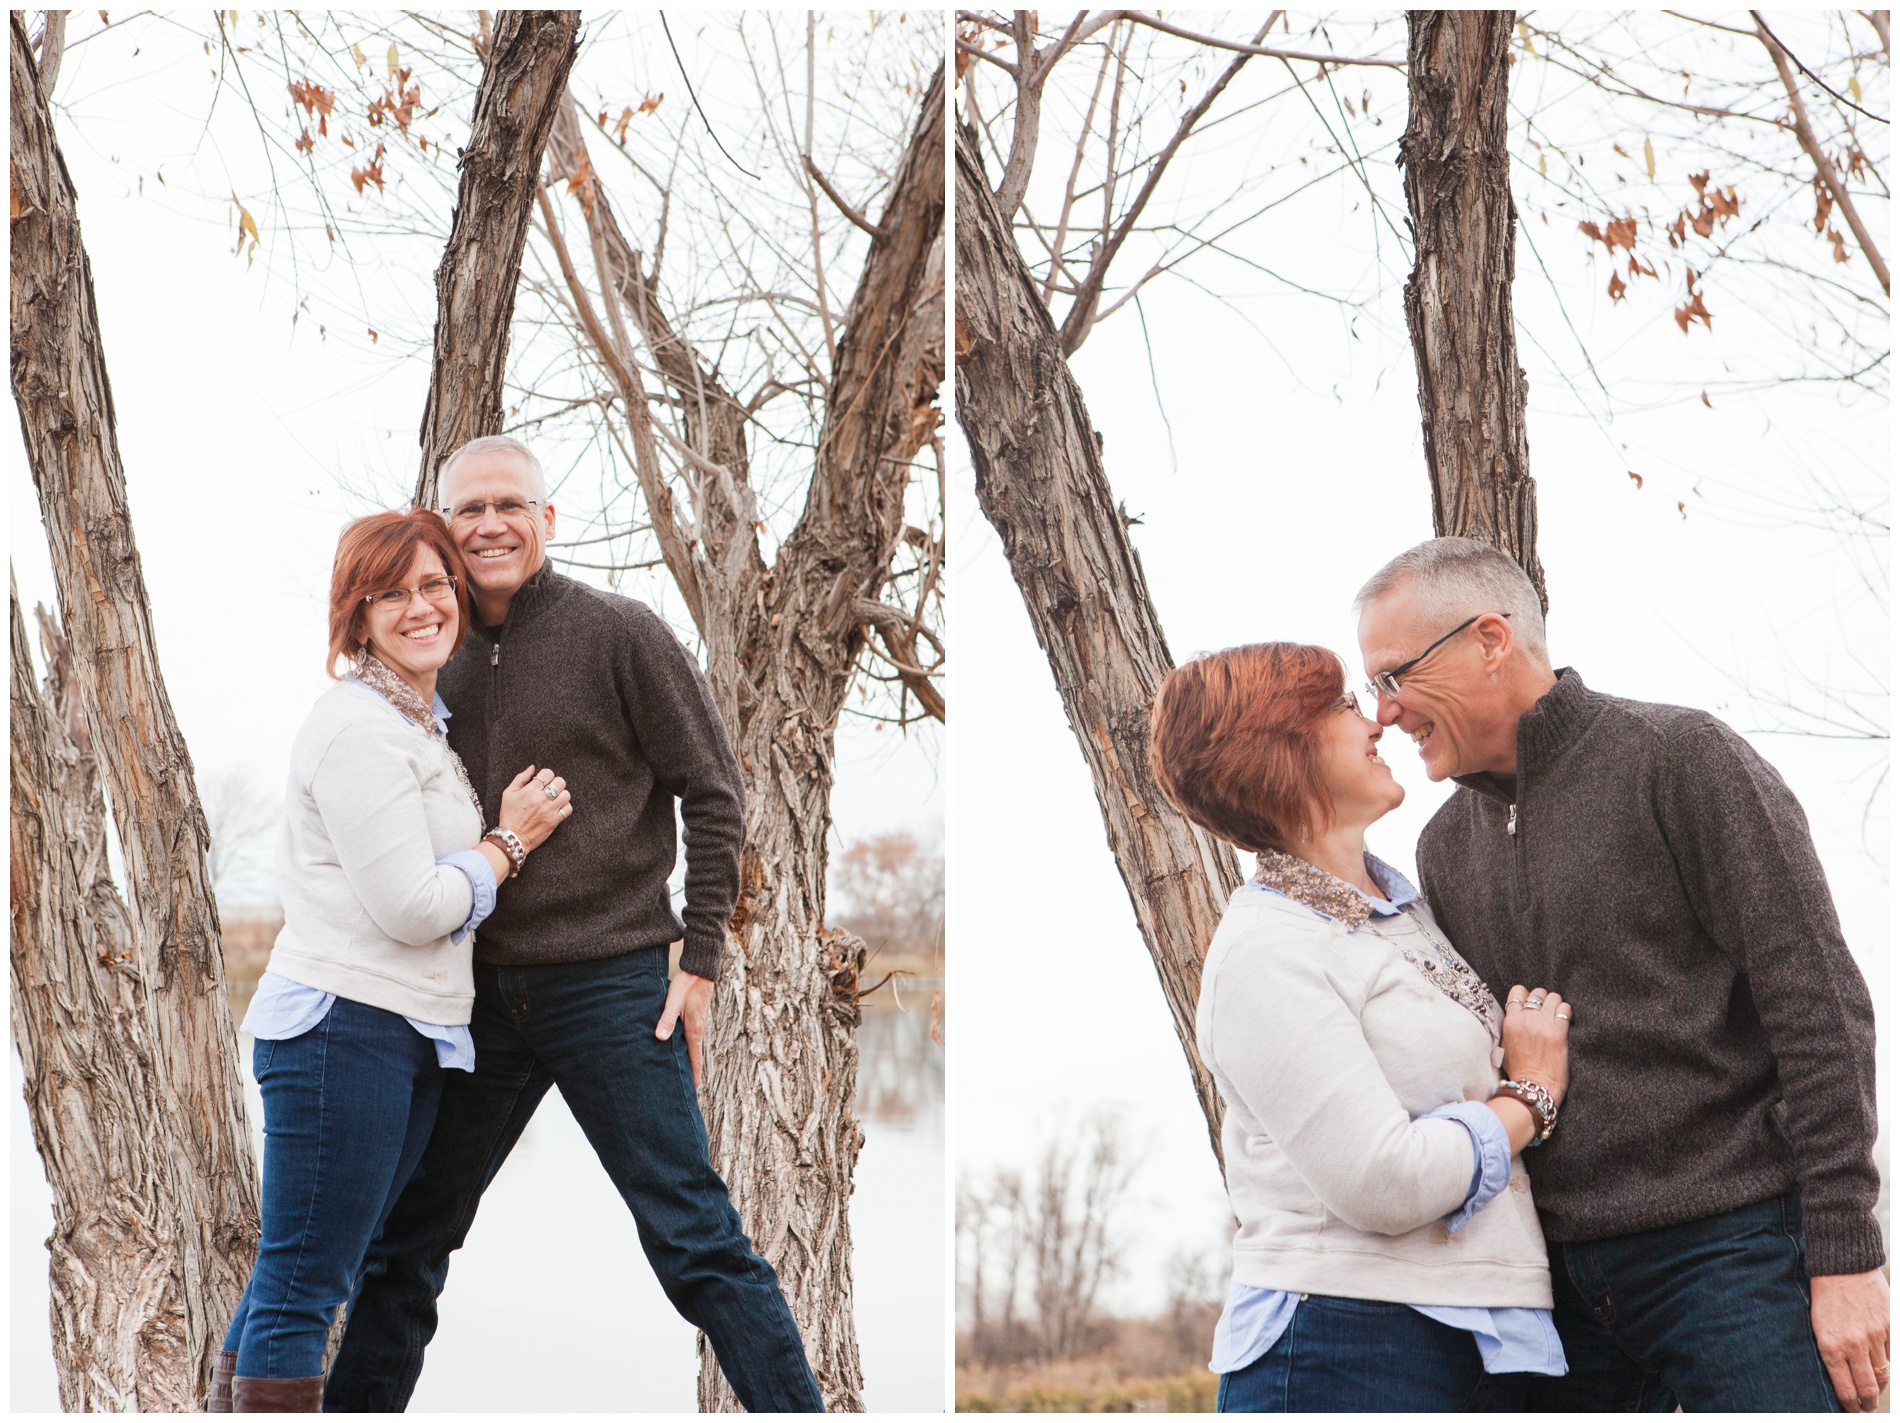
[(1040, 481), (176, 1123), (1471, 390), (528, 60)]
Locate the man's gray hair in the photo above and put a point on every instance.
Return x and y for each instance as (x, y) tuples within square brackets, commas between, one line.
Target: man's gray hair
[(1457, 579), (491, 444)]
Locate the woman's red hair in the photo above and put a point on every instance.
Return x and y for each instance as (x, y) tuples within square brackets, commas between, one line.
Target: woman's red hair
[(1232, 740), (375, 554)]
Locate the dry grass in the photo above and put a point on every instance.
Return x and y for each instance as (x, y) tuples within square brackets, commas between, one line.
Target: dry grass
[(1150, 1366), (1095, 1385)]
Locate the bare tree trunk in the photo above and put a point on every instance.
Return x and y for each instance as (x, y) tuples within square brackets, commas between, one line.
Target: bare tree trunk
[(1471, 391), (782, 1070), (528, 60), (1039, 479), (167, 1126)]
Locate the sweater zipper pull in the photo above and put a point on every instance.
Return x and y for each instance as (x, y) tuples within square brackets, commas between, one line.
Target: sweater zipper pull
[(1510, 825), (494, 658)]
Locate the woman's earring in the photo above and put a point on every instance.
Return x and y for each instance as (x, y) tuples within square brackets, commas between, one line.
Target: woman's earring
[(1303, 835)]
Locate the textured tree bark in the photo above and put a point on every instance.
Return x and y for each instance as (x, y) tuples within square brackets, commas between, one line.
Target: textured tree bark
[(783, 1066), (1471, 391), (1039, 479), (526, 74), (122, 1021)]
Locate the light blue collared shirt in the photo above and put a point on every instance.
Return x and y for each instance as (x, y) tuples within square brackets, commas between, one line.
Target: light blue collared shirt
[(1510, 1341), (284, 1008)]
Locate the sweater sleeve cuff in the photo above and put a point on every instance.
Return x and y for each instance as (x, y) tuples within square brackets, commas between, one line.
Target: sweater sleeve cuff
[(1491, 1157), (1842, 1242), (703, 954)]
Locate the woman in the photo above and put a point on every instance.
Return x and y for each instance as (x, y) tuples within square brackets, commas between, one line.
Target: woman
[(385, 873), (1389, 1256)]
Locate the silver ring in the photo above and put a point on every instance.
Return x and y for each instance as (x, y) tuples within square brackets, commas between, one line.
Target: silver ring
[(1514, 1003), (565, 809), (1562, 1017), (550, 792), (1536, 1000)]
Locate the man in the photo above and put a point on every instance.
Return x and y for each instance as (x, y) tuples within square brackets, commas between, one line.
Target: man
[(570, 969), (1708, 1192)]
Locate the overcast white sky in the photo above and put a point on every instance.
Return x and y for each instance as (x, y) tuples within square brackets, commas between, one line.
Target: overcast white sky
[(1291, 471)]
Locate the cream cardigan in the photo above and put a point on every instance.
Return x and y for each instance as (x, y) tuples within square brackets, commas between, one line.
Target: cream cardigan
[(1327, 1047), (373, 804)]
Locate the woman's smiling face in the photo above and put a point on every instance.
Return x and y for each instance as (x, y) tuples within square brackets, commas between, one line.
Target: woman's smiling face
[(1362, 786), (413, 639)]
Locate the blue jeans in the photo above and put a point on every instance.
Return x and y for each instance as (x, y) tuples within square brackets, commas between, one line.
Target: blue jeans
[(588, 1029), (1366, 1356), (1712, 1315), (347, 1110)]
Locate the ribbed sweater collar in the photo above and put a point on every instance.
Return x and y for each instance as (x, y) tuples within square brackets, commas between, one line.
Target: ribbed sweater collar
[(531, 597), (1544, 732)]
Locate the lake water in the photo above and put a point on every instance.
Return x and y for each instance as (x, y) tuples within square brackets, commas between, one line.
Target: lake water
[(551, 1307)]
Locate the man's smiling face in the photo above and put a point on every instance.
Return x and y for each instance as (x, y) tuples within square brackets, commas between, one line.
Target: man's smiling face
[(1450, 704), (504, 549)]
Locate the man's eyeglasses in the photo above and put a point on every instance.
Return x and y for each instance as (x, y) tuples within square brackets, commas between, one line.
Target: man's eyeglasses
[(1386, 684), (472, 512), (436, 590)]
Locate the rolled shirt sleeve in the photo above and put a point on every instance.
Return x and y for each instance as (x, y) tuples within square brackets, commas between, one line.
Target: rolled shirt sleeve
[(481, 883), (1491, 1157)]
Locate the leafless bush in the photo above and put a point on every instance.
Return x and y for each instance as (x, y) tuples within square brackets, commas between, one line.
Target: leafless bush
[(889, 892), (1036, 1253), (242, 813)]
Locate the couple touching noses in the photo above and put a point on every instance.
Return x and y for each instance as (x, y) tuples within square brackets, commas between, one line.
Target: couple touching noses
[(433, 978), (1645, 1179)]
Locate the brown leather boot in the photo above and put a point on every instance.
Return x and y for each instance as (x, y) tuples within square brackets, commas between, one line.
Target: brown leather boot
[(220, 1400), (277, 1395)]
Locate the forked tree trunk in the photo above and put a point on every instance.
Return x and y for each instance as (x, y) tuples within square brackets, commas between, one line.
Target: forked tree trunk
[(783, 1066), (523, 80), (150, 1157), (89, 1057), (782, 642), (1471, 391), (1039, 479)]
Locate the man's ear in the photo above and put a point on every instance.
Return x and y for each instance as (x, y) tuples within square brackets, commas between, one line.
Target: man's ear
[(547, 520), (1496, 640)]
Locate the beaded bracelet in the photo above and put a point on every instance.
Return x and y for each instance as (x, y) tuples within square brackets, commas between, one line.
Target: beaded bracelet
[(511, 846), (1542, 1105)]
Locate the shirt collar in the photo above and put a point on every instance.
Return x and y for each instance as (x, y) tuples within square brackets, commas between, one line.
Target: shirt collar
[(439, 708), (1329, 895)]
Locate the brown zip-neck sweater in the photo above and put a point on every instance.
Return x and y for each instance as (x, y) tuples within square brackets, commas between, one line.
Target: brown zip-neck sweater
[(1657, 872), (597, 686)]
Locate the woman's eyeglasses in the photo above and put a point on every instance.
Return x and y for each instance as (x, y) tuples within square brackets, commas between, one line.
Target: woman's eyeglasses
[(436, 590), (1349, 700)]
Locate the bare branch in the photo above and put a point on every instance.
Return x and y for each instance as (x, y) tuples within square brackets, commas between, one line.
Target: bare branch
[(1822, 164), (1155, 22), (858, 219), (1075, 326)]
